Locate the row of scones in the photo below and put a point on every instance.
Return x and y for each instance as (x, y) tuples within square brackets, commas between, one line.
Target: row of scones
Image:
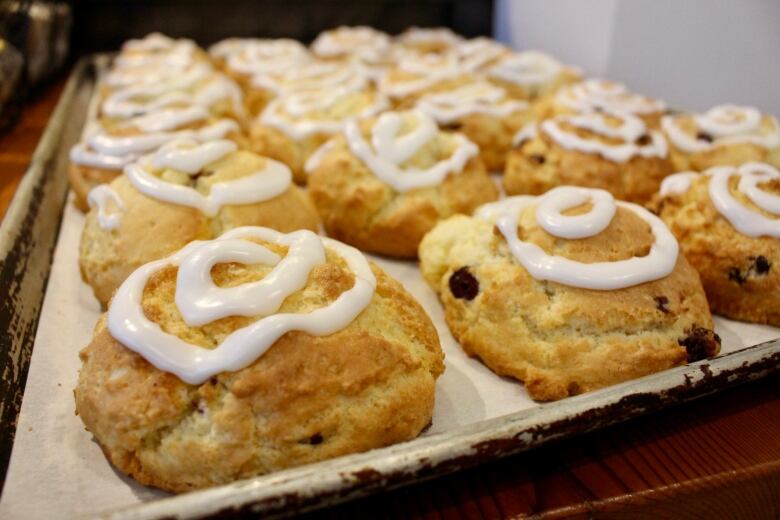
[(237, 341)]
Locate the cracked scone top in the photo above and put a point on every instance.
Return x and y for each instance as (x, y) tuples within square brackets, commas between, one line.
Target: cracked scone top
[(385, 182), (184, 191), (252, 353), (568, 292), (727, 220)]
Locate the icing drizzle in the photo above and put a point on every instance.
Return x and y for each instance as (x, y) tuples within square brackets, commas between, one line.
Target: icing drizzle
[(102, 197), (724, 124), (630, 130), (388, 150), (200, 301), (191, 157), (474, 98), (526, 68), (599, 94), (604, 276)]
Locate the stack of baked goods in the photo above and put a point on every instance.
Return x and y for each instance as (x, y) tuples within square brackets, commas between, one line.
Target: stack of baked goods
[(238, 341)]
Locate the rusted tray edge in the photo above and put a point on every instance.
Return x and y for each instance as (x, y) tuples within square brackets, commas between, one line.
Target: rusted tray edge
[(338, 480), (28, 234)]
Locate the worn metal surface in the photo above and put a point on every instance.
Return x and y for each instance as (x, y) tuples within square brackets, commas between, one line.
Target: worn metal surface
[(27, 238), (28, 234)]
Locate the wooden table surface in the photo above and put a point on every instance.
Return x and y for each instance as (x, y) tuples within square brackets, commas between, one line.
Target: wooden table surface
[(718, 457)]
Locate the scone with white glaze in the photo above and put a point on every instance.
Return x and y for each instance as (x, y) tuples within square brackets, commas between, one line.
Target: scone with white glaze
[(183, 192), (594, 95), (484, 113), (529, 75), (108, 147), (252, 353), (727, 220), (260, 65), (568, 292), (385, 182), (295, 124), (613, 151), (726, 135)]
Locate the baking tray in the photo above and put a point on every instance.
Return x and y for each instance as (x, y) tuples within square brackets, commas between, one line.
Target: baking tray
[(27, 239)]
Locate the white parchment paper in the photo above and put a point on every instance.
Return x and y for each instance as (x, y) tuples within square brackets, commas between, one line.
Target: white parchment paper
[(58, 471)]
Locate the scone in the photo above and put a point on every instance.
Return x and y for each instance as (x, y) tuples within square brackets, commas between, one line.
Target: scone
[(568, 292), (107, 148), (482, 112), (295, 124), (427, 40), (361, 44), (598, 94), (413, 75), (252, 353), (387, 181), (480, 54), (611, 151), (250, 61), (726, 135), (183, 192), (727, 220), (530, 75)]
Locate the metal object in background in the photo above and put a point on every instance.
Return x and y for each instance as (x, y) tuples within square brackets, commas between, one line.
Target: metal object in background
[(10, 77), (40, 29)]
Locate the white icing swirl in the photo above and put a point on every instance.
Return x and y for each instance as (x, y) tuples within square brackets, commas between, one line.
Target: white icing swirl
[(473, 98), (599, 94), (603, 276), (388, 150), (199, 85), (304, 113), (527, 68), (425, 70), (725, 124), (191, 157), (310, 76), (167, 119), (111, 152), (746, 220), (102, 197), (259, 56), (200, 301), (630, 129), (676, 183)]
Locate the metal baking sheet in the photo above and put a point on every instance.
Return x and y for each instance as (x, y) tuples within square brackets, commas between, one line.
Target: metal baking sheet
[(27, 239)]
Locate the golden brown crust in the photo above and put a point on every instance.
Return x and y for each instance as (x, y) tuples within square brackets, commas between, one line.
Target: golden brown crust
[(359, 209), (540, 164), (151, 229), (83, 178), (306, 399), (492, 134), (561, 340), (271, 142), (740, 274)]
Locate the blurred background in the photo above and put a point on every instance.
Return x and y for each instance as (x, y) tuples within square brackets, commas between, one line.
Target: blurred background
[(693, 54)]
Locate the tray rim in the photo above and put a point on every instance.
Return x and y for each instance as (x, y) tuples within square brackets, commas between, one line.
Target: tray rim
[(351, 476)]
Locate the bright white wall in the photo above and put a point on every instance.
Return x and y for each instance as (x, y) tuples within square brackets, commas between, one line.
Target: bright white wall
[(692, 53)]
